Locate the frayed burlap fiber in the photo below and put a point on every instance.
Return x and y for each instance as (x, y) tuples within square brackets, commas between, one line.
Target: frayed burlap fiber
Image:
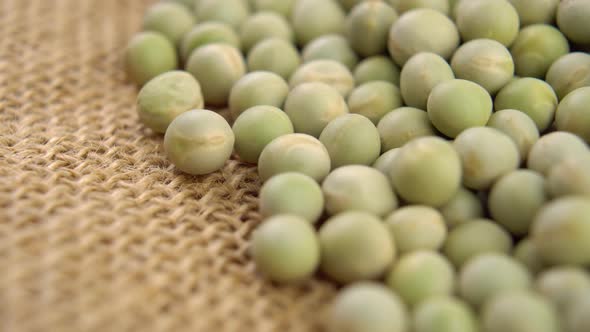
[(98, 231)]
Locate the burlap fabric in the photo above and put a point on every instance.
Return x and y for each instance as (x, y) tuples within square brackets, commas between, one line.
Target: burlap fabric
[(98, 232)]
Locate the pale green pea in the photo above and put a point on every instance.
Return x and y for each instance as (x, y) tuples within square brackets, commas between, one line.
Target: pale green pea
[(358, 188), (351, 139), (374, 100), (294, 194), (256, 127), (402, 125), (355, 246), (257, 88)]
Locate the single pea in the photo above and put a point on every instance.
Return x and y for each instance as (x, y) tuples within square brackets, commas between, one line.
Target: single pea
[(561, 284), (572, 113), (294, 194), (402, 125), (351, 139), (577, 317), (232, 12), (427, 170), (283, 7), (477, 286), (264, 25), (519, 311), (456, 105), (444, 314), (311, 106), (330, 72), (257, 88), (516, 198), (286, 249), (171, 19), (312, 18), (257, 127), (463, 207), (417, 227), (492, 19), (422, 73), (374, 100), (553, 148), (367, 306), (532, 96), (385, 162), (368, 27), (536, 48), (358, 188), (199, 142), (571, 176), (165, 97), (376, 68), (438, 5), (148, 55), (355, 246), (519, 127), (476, 237), (535, 11), (568, 73), (486, 155), (572, 20), (485, 62), (561, 231), (330, 47), (275, 55), (421, 275), (527, 254), (422, 30), (208, 33), (217, 67), (294, 153)]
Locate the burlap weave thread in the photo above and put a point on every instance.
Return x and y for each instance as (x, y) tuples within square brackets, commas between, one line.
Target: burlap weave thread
[(98, 232)]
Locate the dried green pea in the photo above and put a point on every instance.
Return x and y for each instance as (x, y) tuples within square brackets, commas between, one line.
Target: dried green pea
[(572, 113), (173, 20), (293, 194), (351, 139), (568, 73), (286, 249), (519, 127), (572, 20), (376, 68), (492, 19), (329, 72), (330, 47), (417, 227), (165, 97), (367, 27), (463, 207), (311, 106), (294, 153), (358, 188), (148, 55), (422, 73), (374, 100), (264, 25), (199, 142), (422, 30), (312, 18), (257, 88), (208, 33), (476, 237), (536, 47), (275, 55), (217, 67), (256, 127), (355, 246), (402, 125), (232, 12)]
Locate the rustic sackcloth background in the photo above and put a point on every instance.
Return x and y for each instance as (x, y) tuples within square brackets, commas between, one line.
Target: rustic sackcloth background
[(98, 232)]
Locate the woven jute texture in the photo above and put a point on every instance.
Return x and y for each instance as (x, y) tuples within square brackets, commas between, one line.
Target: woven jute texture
[(98, 232)]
